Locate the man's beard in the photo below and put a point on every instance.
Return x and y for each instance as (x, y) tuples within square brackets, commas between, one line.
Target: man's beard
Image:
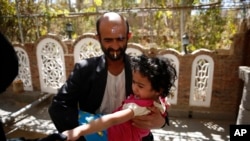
[(114, 54)]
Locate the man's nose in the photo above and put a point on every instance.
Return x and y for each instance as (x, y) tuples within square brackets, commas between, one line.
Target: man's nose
[(115, 44)]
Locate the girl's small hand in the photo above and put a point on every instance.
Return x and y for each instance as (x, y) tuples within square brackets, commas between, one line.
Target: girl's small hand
[(72, 135)]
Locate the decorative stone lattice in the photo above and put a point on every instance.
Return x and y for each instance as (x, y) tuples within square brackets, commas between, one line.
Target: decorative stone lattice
[(201, 84), (134, 49), (201, 80), (86, 48), (50, 58), (24, 73)]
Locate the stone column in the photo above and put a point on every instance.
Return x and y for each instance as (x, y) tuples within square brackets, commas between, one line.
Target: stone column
[(244, 108)]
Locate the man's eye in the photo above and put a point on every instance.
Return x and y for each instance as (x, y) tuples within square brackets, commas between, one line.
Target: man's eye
[(140, 86), (108, 40), (121, 39)]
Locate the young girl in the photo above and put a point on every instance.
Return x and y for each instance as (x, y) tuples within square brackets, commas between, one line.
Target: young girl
[(152, 80)]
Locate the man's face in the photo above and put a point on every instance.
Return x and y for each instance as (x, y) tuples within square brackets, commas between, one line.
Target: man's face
[(114, 54), (113, 39)]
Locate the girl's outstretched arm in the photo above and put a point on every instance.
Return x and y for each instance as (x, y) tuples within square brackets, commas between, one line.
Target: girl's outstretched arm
[(99, 124)]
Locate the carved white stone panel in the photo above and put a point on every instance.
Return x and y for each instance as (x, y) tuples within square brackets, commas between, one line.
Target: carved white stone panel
[(24, 73), (201, 83), (134, 49), (50, 57), (86, 48)]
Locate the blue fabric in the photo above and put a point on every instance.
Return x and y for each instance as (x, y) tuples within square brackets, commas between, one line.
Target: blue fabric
[(84, 118)]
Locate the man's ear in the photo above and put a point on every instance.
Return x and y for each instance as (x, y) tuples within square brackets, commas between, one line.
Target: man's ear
[(129, 35), (97, 37)]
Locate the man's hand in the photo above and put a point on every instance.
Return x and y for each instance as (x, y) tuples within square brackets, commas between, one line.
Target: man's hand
[(151, 121)]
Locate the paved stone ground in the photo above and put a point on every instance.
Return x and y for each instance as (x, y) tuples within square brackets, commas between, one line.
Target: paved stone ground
[(185, 129), (35, 123)]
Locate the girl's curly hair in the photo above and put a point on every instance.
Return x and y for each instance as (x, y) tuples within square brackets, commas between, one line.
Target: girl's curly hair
[(159, 70)]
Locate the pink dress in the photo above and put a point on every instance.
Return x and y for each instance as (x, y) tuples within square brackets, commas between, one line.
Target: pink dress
[(126, 131)]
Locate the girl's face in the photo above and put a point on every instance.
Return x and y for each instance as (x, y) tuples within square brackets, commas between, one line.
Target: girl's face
[(142, 87)]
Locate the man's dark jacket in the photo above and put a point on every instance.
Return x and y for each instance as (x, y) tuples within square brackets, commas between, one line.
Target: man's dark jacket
[(84, 88)]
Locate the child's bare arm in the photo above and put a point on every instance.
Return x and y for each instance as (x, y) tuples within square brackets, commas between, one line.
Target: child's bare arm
[(100, 124)]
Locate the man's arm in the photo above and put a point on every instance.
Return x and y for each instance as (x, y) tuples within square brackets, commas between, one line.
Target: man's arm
[(64, 107), (64, 118), (152, 121), (100, 124)]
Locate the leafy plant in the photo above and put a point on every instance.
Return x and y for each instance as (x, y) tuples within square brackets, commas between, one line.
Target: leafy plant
[(151, 21)]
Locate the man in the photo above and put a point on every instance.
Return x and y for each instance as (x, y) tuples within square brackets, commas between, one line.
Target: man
[(100, 84), (8, 71)]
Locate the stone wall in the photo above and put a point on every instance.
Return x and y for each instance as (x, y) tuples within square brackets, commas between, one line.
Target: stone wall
[(226, 88)]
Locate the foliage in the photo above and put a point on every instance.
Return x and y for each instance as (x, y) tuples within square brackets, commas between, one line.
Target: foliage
[(6, 9), (208, 29), (152, 21)]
